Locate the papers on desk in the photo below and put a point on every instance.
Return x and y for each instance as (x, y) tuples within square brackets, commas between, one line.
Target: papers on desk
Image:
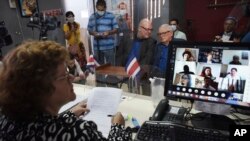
[(103, 101)]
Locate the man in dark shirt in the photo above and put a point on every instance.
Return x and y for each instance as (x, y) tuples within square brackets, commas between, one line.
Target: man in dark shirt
[(229, 34), (165, 34), (143, 48)]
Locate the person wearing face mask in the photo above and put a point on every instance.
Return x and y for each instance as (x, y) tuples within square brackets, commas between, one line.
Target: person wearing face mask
[(174, 23), (103, 26), (72, 32), (123, 22)]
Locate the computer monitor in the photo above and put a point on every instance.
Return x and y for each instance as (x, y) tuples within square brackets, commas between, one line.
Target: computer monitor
[(210, 72)]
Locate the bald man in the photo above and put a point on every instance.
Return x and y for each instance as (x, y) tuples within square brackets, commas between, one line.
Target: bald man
[(165, 35), (143, 48)]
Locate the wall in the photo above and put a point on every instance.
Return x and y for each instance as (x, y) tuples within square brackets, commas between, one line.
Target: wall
[(177, 10), (16, 24), (203, 23), (140, 12)]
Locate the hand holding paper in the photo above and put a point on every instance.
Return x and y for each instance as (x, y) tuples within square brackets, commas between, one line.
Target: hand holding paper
[(103, 101)]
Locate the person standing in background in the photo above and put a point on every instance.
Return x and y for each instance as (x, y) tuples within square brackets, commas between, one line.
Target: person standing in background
[(72, 32), (228, 35), (174, 23), (142, 47), (103, 26)]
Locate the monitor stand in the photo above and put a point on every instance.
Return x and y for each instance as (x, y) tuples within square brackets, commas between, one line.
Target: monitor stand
[(212, 117)]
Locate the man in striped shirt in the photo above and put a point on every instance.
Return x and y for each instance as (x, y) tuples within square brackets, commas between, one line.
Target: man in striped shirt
[(103, 26)]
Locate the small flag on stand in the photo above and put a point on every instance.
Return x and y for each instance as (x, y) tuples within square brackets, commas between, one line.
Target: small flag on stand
[(132, 67), (133, 70), (92, 64)]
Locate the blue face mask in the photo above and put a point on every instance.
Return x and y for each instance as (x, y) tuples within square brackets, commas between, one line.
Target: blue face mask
[(100, 13)]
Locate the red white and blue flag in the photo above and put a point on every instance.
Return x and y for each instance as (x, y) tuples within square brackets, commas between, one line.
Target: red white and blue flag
[(92, 64), (132, 67)]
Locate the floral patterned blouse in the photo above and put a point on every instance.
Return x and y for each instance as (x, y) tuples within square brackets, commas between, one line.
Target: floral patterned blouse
[(65, 127)]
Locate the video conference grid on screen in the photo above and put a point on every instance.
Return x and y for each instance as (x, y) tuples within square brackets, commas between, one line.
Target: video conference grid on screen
[(216, 74)]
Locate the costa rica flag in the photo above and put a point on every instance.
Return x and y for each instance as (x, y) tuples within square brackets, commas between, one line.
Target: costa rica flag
[(132, 66), (92, 64)]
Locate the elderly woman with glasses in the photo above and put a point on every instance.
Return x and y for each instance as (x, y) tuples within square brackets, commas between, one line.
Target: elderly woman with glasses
[(34, 85)]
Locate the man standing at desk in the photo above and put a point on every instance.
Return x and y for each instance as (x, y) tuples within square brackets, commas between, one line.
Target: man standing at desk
[(142, 47), (102, 25)]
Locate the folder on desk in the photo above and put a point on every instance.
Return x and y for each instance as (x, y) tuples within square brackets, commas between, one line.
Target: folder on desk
[(103, 101)]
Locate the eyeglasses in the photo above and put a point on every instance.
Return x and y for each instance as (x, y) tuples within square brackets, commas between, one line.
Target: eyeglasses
[(147, 29), (67, 75), (162, 33)]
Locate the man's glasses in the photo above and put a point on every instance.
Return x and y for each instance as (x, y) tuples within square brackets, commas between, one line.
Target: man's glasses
[(162, 33), (147, 29)]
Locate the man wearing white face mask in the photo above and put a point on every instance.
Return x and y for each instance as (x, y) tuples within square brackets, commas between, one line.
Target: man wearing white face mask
[(174, 23), (103, 25), (72, 32)]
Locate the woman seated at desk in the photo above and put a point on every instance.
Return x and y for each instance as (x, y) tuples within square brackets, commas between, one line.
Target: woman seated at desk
[(34, 85)]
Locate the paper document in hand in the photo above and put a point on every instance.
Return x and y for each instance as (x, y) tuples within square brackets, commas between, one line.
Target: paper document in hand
[(103, 101)]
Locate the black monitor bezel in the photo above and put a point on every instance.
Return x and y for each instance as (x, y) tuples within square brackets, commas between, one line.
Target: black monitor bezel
[(187, 44)]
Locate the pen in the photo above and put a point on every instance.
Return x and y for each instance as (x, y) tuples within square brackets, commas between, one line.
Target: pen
[(125, 116)]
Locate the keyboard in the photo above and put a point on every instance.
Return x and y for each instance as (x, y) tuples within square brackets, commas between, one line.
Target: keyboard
[(167, 131)]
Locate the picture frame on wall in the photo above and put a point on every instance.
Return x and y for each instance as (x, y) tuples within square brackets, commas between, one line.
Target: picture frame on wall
[(28, 7), (12, 3), (244, 55)]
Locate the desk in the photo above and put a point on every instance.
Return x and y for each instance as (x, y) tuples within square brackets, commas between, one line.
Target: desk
[(139, 106), (111, 75), (107, 69)]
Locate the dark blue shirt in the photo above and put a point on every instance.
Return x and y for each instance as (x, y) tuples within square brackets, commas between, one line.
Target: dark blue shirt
[(136, 48), (161, 55)]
